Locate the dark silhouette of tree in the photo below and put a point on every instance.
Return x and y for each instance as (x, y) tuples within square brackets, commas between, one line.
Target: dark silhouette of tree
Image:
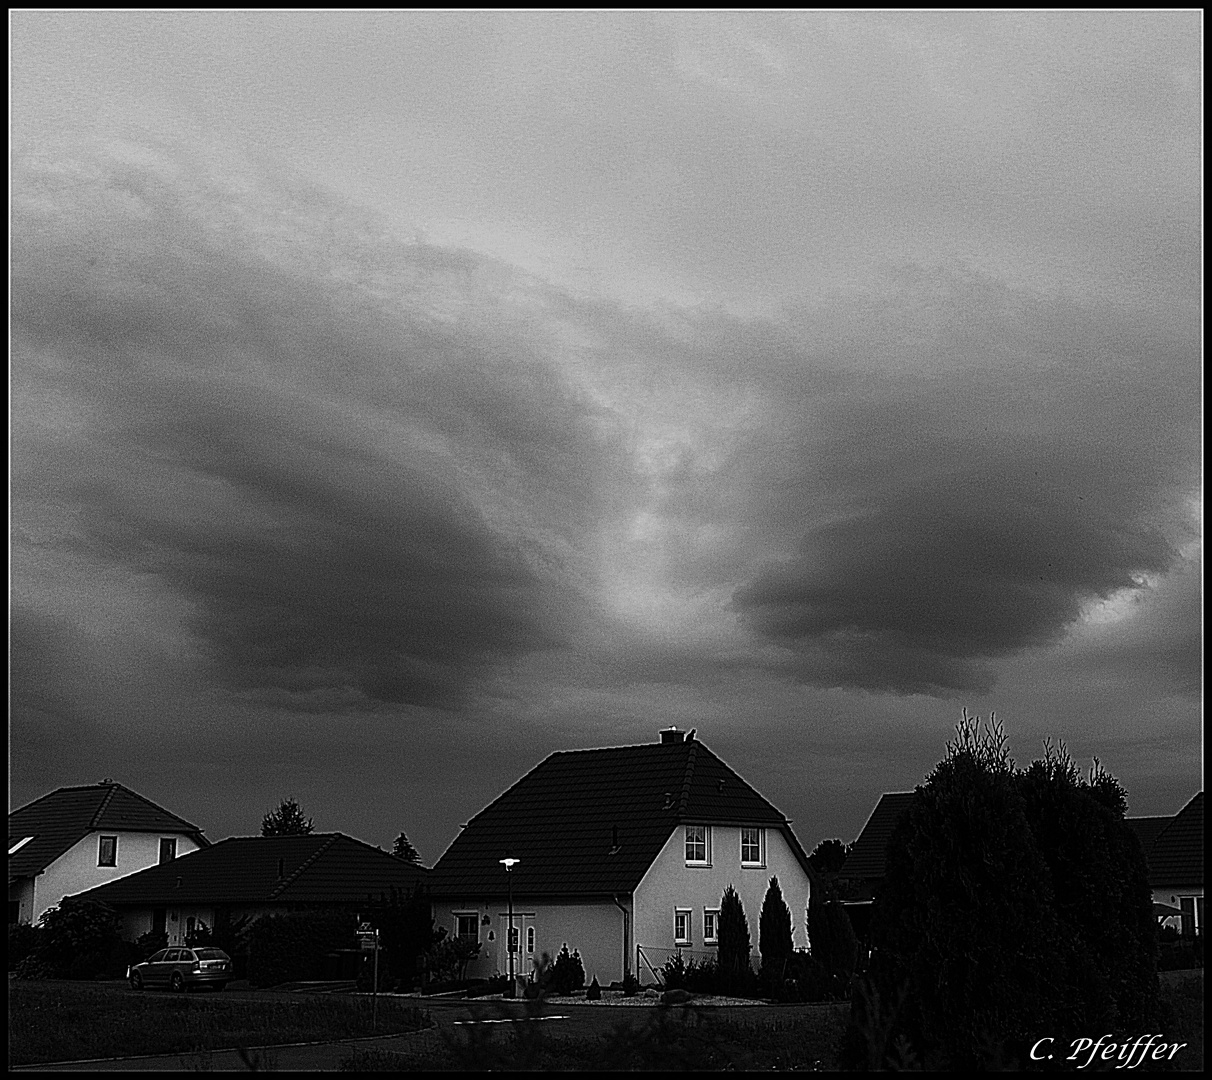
[(774, 931), (402, 849), (832, 940), (286, 820), (734, 944), (828, 856), (1014, 901)]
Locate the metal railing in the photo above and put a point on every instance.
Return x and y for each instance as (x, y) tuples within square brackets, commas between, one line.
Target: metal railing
[(655, 958)]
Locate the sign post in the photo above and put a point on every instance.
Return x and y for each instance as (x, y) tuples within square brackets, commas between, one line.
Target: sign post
[(368, 938)]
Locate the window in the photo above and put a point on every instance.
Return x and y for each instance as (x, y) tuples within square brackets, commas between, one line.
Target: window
[(168, 848), (711, 926), (698, 844), (751, 847), (467, 927), (513, 939), (530, 941), (107, 851), (681, 926)]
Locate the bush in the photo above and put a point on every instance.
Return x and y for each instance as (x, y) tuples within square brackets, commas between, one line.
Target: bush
[(152, 941), (292, 947), (449, 957), (568, 973), (78, 939), (23, 939), (833, 941), (1014, 902), (406, 931), (736, 976), (594, 993)]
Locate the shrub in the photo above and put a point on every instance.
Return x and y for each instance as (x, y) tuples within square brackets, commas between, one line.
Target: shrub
[(594, 993), (23, 939), (775, 935), (733, 948), (78, 939), (293, 946), (568, 973), (1014, 901), (448, 957), (152, 941), (406, 931), (833, 941)]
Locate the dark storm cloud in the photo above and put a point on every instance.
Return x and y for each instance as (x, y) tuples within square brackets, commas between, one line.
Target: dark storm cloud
[(355, 506)]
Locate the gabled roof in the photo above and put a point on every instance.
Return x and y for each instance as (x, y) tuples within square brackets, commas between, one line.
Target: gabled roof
[(1147, 829), (562, 818), (320, 868), (867, 856), (64, 817), (1176, 856)]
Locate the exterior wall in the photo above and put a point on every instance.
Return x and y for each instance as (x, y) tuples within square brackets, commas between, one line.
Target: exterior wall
[(670, 884), (593, 928), (76, 869), (21, 892), (1172, 894)]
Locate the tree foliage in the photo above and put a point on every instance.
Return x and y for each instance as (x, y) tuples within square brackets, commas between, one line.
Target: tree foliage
[(77, 939), (828, 856), (286, 820), (406, 931), (774, 931), (403, 849), (734, 944), (833, 942), (1015, 901)]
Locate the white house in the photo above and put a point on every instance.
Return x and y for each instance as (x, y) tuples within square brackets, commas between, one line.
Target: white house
[(1174, 851), (78, 837), (622, 854)]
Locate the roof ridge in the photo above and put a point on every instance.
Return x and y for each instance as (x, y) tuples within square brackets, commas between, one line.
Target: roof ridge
[(92, 822), (1174, 819), (687, 779), (273, 893)]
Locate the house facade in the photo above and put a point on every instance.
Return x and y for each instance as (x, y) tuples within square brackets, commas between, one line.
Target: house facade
[(621, 853), (1174, 851), (252, 876), (76, 838)]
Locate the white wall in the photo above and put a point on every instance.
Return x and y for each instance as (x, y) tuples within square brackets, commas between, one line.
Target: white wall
[(592, 928), (76, 869), (1170, 895), (670, 884), (22, 891)]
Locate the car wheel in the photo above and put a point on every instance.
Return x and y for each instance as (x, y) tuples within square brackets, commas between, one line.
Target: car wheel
[(176, 984), (136, 981)]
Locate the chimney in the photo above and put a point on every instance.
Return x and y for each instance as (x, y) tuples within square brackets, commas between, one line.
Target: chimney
[(671, 735)]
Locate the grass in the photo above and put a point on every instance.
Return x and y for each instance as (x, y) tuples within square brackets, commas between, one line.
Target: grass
[(666, 1040), (68, 1021)]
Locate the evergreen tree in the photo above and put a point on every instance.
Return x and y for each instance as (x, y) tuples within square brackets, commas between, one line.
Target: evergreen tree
[(832, 940), (734, 943), (286, 820), (402, 849), (774, 927), (828, 856)]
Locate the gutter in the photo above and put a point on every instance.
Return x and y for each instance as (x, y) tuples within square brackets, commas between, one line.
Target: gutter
[(626, 947)]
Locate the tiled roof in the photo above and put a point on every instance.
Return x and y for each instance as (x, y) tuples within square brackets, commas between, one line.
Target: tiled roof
[(1177, 854), (1147, 829), (866, 859), (64, 817), (320, 868), (562, 819)]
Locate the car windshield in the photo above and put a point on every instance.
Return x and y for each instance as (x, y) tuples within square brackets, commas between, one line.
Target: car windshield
[(211, 954)]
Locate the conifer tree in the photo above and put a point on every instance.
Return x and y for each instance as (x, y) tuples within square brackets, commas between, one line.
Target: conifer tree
[(774, 928), (734, 943)]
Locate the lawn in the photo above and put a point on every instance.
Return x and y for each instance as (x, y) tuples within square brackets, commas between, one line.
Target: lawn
[(667, 1040), (71, 1021)]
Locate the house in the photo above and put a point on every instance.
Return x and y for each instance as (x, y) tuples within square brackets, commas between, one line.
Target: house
[(866, 858), (622, 853), (1174, 851), (78, 837), (251, 876)]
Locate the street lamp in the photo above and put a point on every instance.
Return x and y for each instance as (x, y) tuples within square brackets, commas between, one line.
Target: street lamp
[(509, 864)]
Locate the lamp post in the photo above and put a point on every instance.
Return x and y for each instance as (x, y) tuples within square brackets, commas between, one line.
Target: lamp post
[(509, 864)]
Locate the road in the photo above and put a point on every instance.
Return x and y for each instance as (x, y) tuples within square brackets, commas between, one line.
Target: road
[(449, 1016)]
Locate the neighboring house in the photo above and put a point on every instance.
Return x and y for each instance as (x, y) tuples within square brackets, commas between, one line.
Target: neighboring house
[(255, 875), (623, 854), (1174, 850), (78, 837), (866, 858)]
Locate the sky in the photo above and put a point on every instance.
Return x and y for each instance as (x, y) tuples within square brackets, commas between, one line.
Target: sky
[(399, 398)]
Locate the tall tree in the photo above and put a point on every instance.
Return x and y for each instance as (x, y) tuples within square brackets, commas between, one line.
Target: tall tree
[(774, 929), (828, 856), (402, 849), (286, 820), (734, 942)]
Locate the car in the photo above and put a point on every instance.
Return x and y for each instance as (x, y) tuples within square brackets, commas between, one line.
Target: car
[(181, 968)]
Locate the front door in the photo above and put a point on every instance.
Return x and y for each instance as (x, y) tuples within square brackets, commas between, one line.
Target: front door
[(525, 942)]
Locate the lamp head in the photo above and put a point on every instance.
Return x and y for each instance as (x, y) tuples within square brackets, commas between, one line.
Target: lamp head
[(509, 863)]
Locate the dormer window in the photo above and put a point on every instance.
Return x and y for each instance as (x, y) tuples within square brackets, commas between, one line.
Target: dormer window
[(698, 845)]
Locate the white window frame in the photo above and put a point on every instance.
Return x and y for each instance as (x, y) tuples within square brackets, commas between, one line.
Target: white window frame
[(101, 847), (684, 916), (706, 860), (474, 916), (160, 853), (530, 940), (713, 914), (761, 846)]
